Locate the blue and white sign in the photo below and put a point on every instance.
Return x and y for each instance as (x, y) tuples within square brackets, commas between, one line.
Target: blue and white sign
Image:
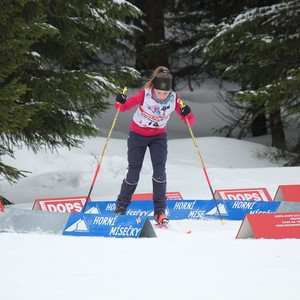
[(191, 209), (135, 209), (229, 209), (109, 225)]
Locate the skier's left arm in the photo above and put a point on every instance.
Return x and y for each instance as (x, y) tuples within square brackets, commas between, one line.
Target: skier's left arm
[(185, 112)]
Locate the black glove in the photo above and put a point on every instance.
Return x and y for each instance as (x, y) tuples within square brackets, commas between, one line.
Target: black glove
[(185, 110), (121, 98)]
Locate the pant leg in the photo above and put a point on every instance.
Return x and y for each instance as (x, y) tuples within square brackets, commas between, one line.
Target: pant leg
[(137, 146), (158, 152)]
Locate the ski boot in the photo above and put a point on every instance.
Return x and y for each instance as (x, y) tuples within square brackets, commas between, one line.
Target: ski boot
[(161, 219), (120, 210)]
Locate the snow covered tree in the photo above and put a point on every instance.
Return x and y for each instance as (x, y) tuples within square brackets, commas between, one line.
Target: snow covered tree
[(260, 50), (190, 25), (16, 37), (57, 70)]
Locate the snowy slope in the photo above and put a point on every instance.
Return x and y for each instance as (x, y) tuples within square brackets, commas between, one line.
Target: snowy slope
[(209, 263)]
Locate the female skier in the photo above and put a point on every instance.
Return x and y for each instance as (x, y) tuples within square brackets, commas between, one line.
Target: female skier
[(155, 104)]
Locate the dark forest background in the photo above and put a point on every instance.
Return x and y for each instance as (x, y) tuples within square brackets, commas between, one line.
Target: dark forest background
[(60, 60)]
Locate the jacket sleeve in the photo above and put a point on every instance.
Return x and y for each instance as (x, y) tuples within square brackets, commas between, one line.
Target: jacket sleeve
[(132, 101), (190, 117)]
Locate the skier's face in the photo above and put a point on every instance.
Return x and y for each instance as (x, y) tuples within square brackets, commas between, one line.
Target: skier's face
[(161, 95)]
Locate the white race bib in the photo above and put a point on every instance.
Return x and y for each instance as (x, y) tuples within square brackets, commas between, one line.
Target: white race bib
[(154, 114)]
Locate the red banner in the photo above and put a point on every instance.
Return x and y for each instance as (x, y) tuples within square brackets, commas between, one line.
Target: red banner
[(290, 193), (270, 226), (149, 196), (1, 207), (255, 194), (66, 204)]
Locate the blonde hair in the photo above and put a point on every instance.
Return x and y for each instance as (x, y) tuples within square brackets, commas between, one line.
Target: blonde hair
[(161, 72)]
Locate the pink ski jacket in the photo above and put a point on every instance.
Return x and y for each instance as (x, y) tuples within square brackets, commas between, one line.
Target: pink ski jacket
[(152, 115)]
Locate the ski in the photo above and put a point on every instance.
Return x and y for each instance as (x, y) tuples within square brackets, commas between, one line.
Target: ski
[(172, 228), (162, 226)]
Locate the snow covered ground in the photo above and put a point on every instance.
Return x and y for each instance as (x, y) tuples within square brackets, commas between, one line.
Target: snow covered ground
[(209, 263)]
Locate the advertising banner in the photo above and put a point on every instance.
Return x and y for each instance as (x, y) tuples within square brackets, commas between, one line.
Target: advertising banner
[(109, 225), (65, 204), (32, 221), (190, 209), (270, 226), (149, 196), (254, 194), (290, 193), (229, 210)]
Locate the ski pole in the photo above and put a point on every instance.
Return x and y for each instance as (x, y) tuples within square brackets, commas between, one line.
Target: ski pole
[(102, 155), (202, 163)]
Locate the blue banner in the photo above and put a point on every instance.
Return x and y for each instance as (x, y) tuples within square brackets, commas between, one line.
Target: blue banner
[(229, 209), (136, 208), (191, 209), (108, 225)]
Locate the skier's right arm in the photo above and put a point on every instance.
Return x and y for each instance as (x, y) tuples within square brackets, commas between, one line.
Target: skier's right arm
[(123, 104)]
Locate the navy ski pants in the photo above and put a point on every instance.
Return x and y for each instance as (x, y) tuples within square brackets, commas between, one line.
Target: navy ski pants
[(137, 146)]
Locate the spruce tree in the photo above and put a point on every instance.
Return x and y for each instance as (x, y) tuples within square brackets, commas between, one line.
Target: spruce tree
[(57, 70), (17, 36), (190, 25), (259, 50)]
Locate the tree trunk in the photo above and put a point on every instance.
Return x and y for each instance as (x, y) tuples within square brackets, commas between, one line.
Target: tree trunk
[(154, 33), (277, 131), (259, 123)]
